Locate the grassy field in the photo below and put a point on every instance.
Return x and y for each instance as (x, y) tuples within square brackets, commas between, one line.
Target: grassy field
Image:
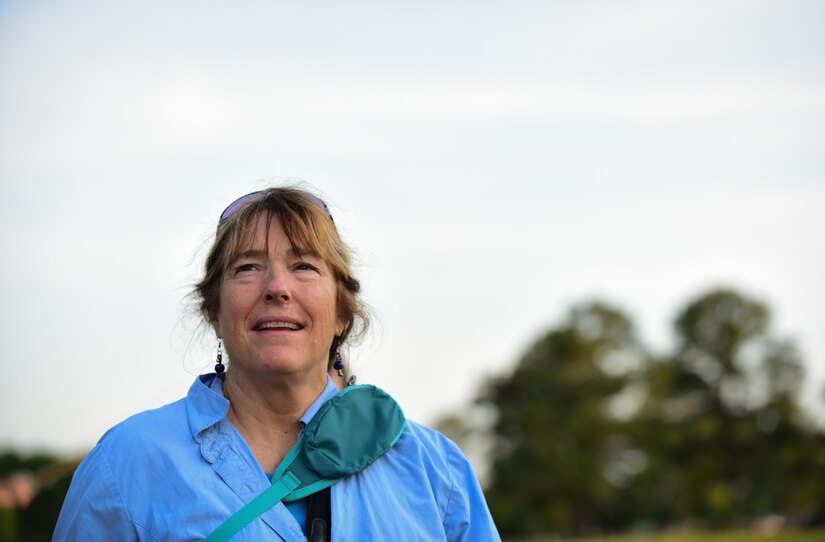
[(813, 535)]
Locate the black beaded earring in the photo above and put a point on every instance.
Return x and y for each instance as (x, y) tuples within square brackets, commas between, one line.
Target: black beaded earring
[(338, 365), (219, 367)]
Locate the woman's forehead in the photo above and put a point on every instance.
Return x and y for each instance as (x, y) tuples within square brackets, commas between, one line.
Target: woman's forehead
[(266, 229)]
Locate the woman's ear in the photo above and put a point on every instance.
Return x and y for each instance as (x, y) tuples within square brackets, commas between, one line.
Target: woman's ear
[(340, 324), (216, 325)]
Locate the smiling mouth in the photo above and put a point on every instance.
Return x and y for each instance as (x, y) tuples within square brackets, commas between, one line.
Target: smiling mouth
[(278, 325)]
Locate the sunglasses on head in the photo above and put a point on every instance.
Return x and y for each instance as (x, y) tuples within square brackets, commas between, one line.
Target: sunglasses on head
[(255, 196)]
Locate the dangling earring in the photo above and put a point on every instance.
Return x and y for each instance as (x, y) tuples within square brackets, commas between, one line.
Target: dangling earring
[(338, 365), (219, 368)]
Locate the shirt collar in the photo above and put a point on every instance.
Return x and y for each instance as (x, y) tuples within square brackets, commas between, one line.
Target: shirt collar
[(330, 391), (208, 406)]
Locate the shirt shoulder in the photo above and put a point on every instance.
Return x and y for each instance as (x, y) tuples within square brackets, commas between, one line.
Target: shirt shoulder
[(102, 492), (426, 435), (144, 432), (465, 515), (153, 453), (428, 488), (429, 447)]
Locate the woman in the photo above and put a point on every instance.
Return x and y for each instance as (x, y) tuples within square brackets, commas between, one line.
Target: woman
[(279, 292)]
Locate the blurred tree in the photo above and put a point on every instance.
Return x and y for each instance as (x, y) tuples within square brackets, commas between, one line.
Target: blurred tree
[(13, 461), (591, 433), (558, 449), (721, 424), (38, 484), (38, 520)]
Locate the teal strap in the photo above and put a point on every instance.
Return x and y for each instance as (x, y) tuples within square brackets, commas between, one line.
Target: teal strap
[(255, 508), (346, 435)]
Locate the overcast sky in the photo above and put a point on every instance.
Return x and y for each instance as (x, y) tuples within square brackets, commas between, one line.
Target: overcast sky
[(490, 162)]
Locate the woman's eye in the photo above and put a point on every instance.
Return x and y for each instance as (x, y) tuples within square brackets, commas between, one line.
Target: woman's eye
[(244, 267), (304, 266)]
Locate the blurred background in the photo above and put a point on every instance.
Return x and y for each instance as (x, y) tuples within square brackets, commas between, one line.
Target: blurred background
[(592, 233)]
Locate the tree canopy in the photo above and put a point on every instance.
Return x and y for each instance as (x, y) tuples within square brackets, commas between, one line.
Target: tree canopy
[(592, 432)]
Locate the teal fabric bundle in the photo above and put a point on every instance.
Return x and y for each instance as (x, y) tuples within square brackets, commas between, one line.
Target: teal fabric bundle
[(348, 433)]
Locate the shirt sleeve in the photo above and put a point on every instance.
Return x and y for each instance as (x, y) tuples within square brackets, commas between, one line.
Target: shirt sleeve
[(94, 507), (467, 517)]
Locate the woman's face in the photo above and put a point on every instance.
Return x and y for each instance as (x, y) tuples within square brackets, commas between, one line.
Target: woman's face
[(277, 311)]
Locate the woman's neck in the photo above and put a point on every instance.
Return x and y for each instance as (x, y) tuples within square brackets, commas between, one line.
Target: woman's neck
[(266, 412)]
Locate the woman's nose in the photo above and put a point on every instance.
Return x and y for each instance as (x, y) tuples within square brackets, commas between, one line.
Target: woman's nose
[(277, 287)]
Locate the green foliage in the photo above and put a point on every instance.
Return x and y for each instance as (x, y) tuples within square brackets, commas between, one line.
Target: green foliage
[(722, 422), (554, 435), (808, 535), (595, 434), (35, 522), (13, 461)]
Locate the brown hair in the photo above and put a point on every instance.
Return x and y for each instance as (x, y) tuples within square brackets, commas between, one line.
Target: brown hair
[(308, 227)]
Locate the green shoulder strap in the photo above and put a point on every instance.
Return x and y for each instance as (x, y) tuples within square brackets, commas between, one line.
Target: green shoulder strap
[(348, 433)]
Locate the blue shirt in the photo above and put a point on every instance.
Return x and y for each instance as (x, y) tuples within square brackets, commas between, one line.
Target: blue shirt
[(178, 472)]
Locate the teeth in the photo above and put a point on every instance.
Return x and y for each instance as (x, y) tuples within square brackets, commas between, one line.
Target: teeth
[(273, 325)]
